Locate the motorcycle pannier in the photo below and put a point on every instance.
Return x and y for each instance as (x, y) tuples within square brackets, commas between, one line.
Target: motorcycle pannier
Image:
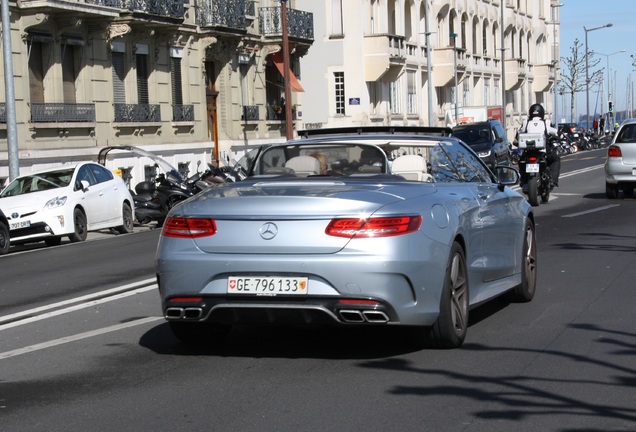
[(531, 140)]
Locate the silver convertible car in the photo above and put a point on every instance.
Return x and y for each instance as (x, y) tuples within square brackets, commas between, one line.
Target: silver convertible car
[(352, 227)]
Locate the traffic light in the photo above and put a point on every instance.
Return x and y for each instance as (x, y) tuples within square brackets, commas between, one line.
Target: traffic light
[(611, 106)]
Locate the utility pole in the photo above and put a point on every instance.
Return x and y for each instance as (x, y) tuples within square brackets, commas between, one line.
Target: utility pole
[(289, 121), (12, 132)]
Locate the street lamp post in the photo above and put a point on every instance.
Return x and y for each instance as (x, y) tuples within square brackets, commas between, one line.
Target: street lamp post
[(587, 74), (555, 60), (429, 82), (609, 78)]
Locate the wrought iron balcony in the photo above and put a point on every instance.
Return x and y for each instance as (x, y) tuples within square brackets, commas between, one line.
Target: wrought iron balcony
[(118, 4), (62, 113), (222, 13), (183, 113), (300, 23), (132, 113), (250, 113), (3, 112), (165, 8)]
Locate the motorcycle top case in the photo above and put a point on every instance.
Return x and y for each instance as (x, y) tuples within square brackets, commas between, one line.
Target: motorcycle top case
[(532, 141)]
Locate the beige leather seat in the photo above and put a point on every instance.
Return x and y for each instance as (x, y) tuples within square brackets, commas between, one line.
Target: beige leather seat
[(411, 167), (304, 165)]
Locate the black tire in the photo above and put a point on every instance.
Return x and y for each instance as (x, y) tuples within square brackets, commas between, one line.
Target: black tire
[(611, 190), (5, 239), (129, 222), (81, 227), (533, 191), (53, 241), (451, 326), (199, 333), (524, 292)]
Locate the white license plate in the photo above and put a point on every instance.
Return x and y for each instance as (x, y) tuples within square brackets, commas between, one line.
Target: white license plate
[(19, 224), (267, 285), (532, 168)]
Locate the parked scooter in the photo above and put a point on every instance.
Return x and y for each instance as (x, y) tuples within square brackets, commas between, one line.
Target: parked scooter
[(147, 204)]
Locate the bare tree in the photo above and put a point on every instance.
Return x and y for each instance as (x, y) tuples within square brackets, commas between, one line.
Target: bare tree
[(573, 72)]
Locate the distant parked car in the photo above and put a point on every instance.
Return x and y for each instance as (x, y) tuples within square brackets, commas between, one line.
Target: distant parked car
[(620, 165), (4, 234), (66, 201), (487, 139)]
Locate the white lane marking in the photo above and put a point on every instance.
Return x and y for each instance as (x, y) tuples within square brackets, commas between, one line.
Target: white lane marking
[(581, 171), (76, 307), (105, 293), (594, 210), (80, 336)]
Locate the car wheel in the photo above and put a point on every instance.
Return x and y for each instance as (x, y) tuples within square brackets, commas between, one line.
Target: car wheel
[(450, 328), (611, 190), (127, 217), (81, 229), (199, 333), (53, 241), (524, 292), (5, 240)]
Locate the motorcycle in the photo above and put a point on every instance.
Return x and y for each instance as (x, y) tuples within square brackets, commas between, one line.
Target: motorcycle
[(533, 165), (155, 197)]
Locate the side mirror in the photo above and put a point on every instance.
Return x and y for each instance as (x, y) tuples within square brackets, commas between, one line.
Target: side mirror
[(81, 185), (506, 176)]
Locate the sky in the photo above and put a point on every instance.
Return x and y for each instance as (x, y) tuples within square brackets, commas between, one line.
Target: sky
[(577, 14)]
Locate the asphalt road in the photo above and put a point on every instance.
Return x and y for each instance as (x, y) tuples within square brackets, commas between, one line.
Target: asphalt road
[(83, 345)]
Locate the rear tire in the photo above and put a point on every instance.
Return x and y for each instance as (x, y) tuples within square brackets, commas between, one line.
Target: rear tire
[(611, 190), (199, 333), (451, 326), (81, 227), (533, 191), (524, 292), (128, 221)]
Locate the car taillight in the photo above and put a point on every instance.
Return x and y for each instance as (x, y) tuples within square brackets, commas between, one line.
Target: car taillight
[(373, 227), (532, 159), (188, 227), (614, 151)]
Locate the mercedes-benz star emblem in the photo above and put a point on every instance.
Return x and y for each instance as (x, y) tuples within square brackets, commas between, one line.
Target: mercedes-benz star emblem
[(268, 230)]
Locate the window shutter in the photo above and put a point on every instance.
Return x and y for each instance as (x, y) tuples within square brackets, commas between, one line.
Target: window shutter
[(119, 74)]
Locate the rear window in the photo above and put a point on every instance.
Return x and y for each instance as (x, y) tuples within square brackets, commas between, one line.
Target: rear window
[(627, 134)]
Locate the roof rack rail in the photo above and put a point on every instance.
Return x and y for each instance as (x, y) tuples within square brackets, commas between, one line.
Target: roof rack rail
[(391, 130)]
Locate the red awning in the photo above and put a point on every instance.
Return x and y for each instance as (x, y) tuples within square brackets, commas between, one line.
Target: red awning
[(277, 58)]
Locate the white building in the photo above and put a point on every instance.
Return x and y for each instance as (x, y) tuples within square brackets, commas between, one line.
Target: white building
[(369, 63)]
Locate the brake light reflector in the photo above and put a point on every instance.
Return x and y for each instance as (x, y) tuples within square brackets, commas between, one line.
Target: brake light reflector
[(373, 227), (188, 227), (186, 299), (532, 159), (614, 151)]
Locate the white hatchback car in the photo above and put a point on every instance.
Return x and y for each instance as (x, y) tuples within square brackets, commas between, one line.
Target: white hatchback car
[(66, 201), (620, 165)]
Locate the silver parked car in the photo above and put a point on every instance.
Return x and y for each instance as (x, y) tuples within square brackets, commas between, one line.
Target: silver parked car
[(352, 227), (620, 165)]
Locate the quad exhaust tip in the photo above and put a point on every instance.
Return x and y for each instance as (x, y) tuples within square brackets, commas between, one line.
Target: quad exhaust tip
[(189, 313), (362, 316)]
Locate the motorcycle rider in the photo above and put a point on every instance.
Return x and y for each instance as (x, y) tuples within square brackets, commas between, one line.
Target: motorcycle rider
[(536, 124)]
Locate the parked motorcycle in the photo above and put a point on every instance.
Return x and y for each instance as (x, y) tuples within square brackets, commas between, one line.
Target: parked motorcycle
[(167, 189)]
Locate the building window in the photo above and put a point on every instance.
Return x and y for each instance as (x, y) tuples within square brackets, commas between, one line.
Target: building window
[(141, 60), (177, 85), (395, 102), (119, 72), (38, 68), (336, 18), (70, 72), (411, 102), (487, 91), (339, 92)]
